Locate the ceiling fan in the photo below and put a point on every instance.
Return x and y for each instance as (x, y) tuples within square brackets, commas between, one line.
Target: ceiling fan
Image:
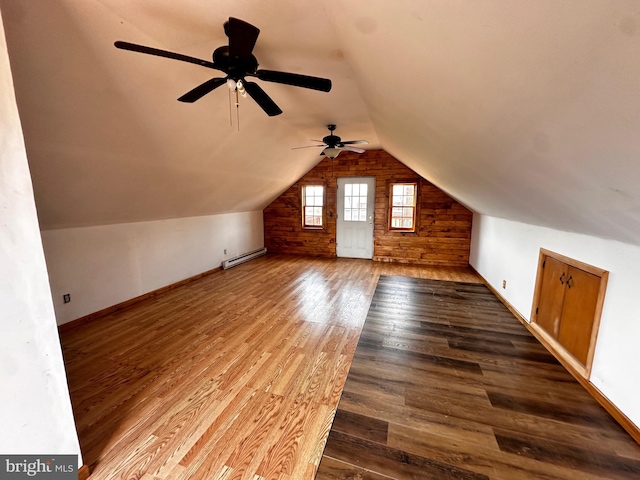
[(334, 144), (237, 61)]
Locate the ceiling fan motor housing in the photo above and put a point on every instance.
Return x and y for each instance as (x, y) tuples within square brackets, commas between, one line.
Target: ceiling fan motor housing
[(331, 140), (235, 67)]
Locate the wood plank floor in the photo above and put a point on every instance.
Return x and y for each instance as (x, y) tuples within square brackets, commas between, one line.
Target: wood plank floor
[(233, 376), (446, 384)]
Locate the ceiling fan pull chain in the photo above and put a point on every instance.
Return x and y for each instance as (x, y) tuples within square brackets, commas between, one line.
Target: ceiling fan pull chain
[(237, 110), (230, 112)]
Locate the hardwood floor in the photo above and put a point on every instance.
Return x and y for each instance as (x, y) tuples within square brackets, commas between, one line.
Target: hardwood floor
[(446, 384), (234, 376)]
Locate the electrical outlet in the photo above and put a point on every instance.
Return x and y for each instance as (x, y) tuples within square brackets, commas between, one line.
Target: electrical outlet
[(225, 251), (504, 284), (66, 297)]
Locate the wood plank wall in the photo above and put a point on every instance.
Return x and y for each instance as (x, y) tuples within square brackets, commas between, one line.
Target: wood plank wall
[(443, 233)]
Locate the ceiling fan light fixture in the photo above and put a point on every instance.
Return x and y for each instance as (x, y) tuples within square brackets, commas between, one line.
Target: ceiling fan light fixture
[(241, 89), (331, 152), (231, 83)]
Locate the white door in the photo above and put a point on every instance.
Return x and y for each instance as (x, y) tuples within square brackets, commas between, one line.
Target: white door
[(354, 229)]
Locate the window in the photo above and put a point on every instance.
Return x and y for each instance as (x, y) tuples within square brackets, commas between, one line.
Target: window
[(312, 206), (355, 202), (402, 216)]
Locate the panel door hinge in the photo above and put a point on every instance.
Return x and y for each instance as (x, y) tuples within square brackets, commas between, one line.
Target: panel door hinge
[(544, 262), (536, 310)]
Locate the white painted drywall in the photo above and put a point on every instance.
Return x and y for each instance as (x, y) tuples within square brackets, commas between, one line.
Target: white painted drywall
[(104, 265), (35, 409), (507, 250)]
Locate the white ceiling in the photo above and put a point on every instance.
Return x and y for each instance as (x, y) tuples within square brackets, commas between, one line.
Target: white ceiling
[(527, 110)]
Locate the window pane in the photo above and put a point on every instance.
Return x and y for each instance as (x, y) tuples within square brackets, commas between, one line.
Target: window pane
[(355, 202), (407, 212), (397, 190), (397, 200), (408, 190)]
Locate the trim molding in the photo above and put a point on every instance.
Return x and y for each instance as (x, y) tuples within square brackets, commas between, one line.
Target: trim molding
[(127, 303), (83, 472), (624, 421)]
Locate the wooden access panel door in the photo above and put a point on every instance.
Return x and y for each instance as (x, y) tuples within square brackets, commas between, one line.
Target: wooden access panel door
[(567, 306), (554, 275), (578, 312)]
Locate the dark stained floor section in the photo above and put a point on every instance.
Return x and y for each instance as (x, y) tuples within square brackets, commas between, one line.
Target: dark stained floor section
[(446, 384)]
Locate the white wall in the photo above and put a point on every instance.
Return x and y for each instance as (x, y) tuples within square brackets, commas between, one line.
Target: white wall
[(507, 250), (104, 265), (35, 410)]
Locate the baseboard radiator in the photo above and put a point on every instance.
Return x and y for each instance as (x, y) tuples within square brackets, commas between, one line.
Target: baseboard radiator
[(245, 257)]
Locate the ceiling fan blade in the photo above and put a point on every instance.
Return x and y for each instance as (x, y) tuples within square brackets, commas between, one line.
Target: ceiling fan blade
[(304, 81), (262, 99), (242, 37), (201, 90), (353, 149), (163, 53), (308, 146), (355, 142)]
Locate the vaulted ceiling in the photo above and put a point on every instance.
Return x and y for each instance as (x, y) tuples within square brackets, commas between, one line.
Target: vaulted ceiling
[(526, 110)]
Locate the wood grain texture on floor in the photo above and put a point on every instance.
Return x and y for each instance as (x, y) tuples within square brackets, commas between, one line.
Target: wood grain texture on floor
[(236, 375), (446, 384)]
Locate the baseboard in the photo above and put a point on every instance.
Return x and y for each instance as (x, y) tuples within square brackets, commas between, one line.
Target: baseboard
[(624, 421), (119, 306), (83, 472)]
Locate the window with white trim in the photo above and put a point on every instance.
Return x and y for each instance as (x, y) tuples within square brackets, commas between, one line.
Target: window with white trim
[(313, 206), (402, 206)]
